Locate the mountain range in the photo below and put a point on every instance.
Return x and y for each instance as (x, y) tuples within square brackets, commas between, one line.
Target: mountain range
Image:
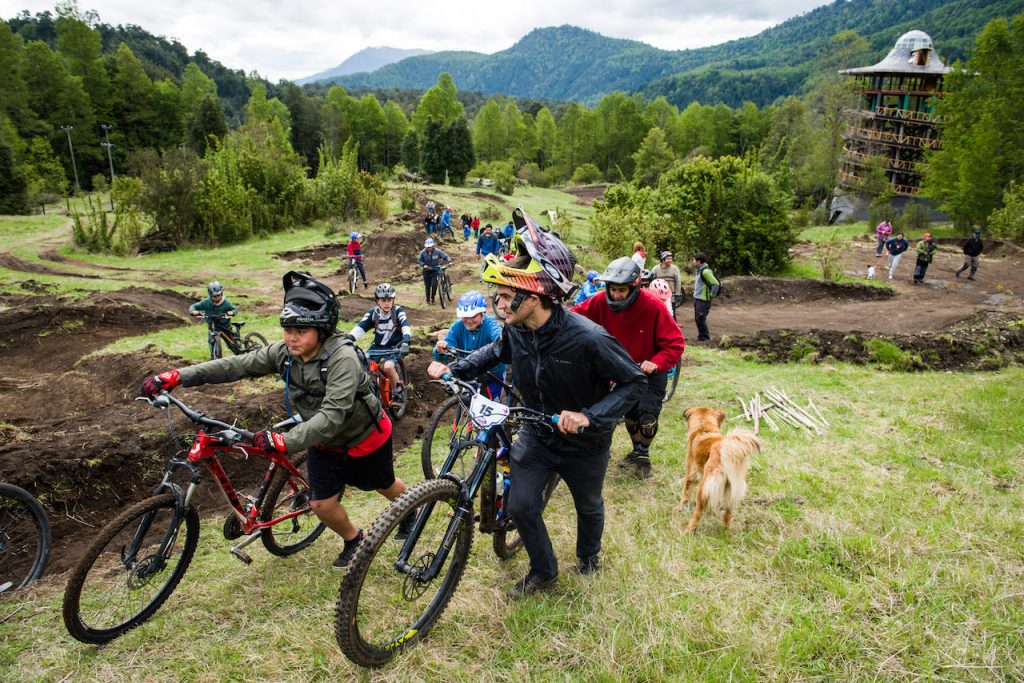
[(571, 63), (366, 60)]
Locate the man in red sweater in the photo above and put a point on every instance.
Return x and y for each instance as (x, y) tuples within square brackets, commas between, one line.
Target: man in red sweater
[(645, 328)]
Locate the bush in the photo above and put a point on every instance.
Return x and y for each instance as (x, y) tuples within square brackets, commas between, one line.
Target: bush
[(915, 216), (504, 180), (99, 183), (407, 198), (830, 257), (887, 354), (587, 174), (1009, 220), (532, 174)]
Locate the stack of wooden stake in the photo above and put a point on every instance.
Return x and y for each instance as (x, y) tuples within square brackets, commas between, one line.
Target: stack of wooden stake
[(774, 407)]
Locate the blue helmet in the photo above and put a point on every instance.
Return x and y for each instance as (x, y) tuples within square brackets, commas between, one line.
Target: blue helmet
[(592, 275), (471, 303), (428, 243), (355, 236)]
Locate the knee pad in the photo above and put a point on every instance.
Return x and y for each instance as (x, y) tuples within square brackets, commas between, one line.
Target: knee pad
[(648, 426), (632, 425)]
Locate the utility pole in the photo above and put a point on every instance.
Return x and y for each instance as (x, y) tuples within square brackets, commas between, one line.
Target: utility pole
[(74, 166), (106, 132)]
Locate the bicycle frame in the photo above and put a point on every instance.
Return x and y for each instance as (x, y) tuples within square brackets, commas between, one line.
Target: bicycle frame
[(376, 360), (206, 447), (234, 342)]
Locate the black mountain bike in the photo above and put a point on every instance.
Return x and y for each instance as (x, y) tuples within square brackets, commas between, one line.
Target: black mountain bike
[(444, 285), (24, 538), (392, 595), (217, 338)]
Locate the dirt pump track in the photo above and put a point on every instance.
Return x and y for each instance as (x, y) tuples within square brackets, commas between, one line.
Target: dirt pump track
[(72, 433)]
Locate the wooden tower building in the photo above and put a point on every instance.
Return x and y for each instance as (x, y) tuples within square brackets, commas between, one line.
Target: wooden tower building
[(894, 117)]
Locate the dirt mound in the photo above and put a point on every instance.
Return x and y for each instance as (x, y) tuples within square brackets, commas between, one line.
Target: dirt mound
[(585, 196), (12, 262), (754, 289), (987, 340)]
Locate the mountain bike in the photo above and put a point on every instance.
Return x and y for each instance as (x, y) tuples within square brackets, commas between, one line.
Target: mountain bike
[(451, 422), (138, 558), (391, 596), (217, 337), (352, 279), (395, 399), (444, 284), (24, 538)]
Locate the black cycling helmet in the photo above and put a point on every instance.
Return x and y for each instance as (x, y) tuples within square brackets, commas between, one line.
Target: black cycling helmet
[(215, 288), (309, 303), (384, 291), (622, 271)]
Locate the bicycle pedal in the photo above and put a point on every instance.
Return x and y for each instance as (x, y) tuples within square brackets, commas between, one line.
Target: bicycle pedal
[(242, 555)]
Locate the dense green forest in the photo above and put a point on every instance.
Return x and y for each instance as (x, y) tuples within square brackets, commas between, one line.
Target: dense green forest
[(194, 157), (570, 63)]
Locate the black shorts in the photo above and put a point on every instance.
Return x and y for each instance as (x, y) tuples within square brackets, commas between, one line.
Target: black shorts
[(331, 471)]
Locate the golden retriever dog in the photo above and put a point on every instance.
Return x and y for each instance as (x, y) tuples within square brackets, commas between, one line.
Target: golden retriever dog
[(722, 460)]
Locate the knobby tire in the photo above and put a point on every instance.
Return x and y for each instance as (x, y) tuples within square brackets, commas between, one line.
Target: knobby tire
[(92, 610), (449, 423), (286, 494), (24, 538), (253, 341), (381, 611)]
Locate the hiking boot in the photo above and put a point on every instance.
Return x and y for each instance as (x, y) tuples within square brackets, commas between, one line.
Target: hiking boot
[(970, 277), (629, 461), (347, 552), (958, 273), (405, 526), (643, 468), (587, 565), (530, 584)]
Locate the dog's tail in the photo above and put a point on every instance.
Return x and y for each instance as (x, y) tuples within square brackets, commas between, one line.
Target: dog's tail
[(728, 486)]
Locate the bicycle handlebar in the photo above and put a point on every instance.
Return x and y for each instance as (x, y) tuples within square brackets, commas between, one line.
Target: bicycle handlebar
[(519, 414), (164, 399), (383, 353)]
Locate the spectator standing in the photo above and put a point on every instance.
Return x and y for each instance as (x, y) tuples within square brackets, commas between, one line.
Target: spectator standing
[(488, 242), (896, 247), (669, 272), (882, 233), (926, 249), (639, 255), (446, 223), (705, 286), (467, 225), (972, 250), (476, 227)]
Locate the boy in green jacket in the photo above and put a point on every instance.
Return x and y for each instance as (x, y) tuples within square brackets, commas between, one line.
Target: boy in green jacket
[(344, 430)]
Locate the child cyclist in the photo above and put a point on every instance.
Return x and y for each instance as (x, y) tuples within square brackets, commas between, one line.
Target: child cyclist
[(214, 306), (663, 291), (473, 330), (391, 330), (344, 430), (355, 253)]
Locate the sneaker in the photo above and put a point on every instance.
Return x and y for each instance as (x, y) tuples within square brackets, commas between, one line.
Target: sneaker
[(587, 565), (530, 584), (405, 526), (629, 461), (970, 277), (643, 468), (347, 552), (958, 273)]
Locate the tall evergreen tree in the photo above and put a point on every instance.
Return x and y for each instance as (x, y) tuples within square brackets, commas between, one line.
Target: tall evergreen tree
[(438, 103), (395, 126), (134, 118), (208, 120), (305, 116), (652, 159), (547, 137), (488, 133), (13, 184), (460, 151), (411, 150)]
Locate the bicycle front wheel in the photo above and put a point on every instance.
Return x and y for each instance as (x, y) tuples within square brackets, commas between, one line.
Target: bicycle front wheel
[(449, 423), (288, 493), (399, 403), (673, 380), (440, 290), (382, 610), (448, 287), (352, 281), (130, 569), (506, 539), (216, 348), (24, 538), (253, 341)]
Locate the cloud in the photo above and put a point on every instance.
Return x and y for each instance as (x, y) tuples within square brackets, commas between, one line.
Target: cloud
[(293, 39)]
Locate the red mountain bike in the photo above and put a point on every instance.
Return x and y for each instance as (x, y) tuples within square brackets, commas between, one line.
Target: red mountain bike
[(138, 559)]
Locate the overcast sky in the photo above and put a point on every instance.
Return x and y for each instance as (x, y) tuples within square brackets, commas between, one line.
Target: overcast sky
[(281, 39)]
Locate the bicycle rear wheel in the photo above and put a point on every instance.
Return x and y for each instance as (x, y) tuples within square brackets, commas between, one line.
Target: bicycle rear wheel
[(288, 494), (506, 541), (253, 341), (24, 538), (449, 423), (380, 610), (673, 380), (130, 569)]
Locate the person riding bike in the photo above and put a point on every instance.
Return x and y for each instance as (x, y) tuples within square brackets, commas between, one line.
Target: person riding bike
[(645, 327), (344, 429), (564, 364), (431, 259), (355, 255), (589, 288), (214, 307), (391, 331), (473, 330)]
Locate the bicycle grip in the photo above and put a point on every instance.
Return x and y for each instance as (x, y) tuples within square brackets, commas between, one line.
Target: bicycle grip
[(554, 421)]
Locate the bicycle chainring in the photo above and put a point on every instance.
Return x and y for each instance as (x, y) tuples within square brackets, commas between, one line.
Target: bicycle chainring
[(232, 527)]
